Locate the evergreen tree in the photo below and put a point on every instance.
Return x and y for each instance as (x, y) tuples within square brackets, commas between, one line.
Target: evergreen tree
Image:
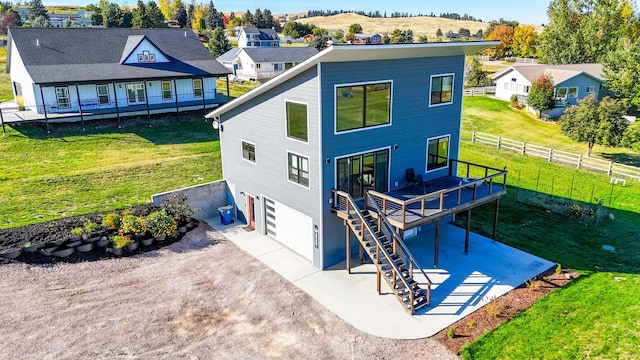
[(181, 16), (213, 18), (191, 10), (156, 18), (37, 9), (218, 43), (140, 17)]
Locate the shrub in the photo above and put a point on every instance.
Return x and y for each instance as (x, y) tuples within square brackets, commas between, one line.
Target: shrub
[(132, 224), (559, 269), (177, 207), (495, 307), (77, 231), (161, 224), (471, 324), (120, 241), (89, 225), (451, 333), (532, 284), (112, 221)]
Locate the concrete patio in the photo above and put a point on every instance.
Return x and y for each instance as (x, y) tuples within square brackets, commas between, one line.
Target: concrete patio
[(462, 283)]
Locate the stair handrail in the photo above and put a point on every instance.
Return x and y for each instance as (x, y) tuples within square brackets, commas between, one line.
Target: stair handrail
[(389, 228), (381, 248)]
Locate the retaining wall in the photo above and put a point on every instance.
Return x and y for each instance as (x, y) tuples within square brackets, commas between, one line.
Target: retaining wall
[(206, 197)]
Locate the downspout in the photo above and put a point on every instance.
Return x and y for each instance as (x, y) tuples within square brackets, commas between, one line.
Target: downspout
[(80, 107)]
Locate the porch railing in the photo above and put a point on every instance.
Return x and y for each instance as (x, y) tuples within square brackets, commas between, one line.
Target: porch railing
[(434, 202)]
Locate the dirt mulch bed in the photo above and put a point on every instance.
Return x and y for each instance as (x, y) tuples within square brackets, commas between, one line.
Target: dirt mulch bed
[(502, 309)]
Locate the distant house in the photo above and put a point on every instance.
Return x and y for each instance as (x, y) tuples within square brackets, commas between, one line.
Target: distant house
[(308, 38), (108, 72), (63, 20), (254, 37), (571, 82), (173, 24), (264, 63), (367, 39)]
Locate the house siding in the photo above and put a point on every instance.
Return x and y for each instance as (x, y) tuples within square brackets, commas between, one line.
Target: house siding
[(581, 82), (146, 45), (20, 75), (505, 94), (265, 126), (413, 121)]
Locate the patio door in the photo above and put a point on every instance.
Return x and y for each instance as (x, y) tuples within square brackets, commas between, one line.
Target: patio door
[(357, 173), (135, 94)]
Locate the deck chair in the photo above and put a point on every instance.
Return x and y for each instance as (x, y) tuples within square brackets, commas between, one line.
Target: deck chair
[(420, 182), (410, 176)]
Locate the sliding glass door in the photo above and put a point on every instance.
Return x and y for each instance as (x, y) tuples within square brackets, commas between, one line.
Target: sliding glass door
[(360, 172)]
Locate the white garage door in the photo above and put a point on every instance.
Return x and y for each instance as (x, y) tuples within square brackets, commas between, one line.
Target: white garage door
[(289, 227)]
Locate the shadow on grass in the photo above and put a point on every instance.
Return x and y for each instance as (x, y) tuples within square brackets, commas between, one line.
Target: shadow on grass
[(189, 127), (623, 158)]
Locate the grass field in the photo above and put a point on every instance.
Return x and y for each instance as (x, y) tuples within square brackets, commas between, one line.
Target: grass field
[(73, 172), (6, 93), (596, 316)]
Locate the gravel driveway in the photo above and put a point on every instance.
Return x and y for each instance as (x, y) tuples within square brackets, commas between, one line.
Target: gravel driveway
[(200, 298)]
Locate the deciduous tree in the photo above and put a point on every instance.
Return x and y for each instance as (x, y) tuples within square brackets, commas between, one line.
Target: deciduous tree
[(401, 36), (474, 74), (355, 29), (524, 41), (503, 33), (622, 71), (594, 122), (541, 94)]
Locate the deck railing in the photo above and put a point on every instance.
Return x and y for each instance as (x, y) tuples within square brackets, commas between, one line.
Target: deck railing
[(434, 202)]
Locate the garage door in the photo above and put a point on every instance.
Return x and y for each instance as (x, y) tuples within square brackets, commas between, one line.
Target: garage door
[(289, 227)]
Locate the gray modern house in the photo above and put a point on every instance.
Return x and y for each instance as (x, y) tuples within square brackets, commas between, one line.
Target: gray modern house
[(107, 72), (356, 142)]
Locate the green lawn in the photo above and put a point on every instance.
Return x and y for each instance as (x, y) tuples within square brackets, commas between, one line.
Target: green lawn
[(6, 92), (596, 316), (73, 172)]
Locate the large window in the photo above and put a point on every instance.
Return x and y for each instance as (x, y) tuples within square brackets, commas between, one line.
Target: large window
[(437, 153), (103, 94), (561, 93), (441, 89), (248, 151), (298, 169), (135, 93), (297, 121), (197, 87), (590, 89), (361, 106), (166, 90), (62, 97), (573, 92), (357, 173)]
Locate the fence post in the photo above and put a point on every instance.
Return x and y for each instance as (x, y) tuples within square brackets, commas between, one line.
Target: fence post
[(550, 155), (579, 160), (4, 132), (473, 136), (498, 145), (524, 148), (610, 166)]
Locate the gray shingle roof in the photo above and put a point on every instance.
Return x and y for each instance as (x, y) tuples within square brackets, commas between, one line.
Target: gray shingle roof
[(95, 54), (228, 56), (559, 73), (280, 54), (264, 34)]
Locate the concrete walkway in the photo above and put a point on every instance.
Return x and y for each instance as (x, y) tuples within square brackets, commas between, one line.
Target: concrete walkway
[(461, 285)]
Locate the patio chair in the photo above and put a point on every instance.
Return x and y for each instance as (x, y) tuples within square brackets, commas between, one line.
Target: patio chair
[(420, 182), (410, 176)]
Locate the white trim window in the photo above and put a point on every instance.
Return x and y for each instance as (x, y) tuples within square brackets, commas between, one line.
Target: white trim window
[(573, 92), (561, 93), (441, 91), (297, 121), (590, 89), (249, 151), (438, 153), (62, 98), (103, 94), (363, 105), (135, 93), (298, 169), (167, 92), (197, 87), (146, 57)]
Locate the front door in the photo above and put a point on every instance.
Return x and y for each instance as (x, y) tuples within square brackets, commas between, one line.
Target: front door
[(358, 173), (252, 211)]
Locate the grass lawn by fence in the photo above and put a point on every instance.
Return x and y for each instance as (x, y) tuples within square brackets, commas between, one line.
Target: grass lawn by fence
[(596, 316), (6, 93), (71, 172)]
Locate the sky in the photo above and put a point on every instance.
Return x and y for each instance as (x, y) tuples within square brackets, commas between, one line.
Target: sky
[(525, 12)]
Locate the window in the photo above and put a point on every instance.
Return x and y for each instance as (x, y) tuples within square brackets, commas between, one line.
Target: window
[(278, 67), (561, 92), (437, 153), (197, 87), (357, 173), (298, 169), (135, 93), (297, 121), (288, 66), (166, 90), (103, 94), (590, 89), (442, 89), (361, 106), (146, 57), (573, 92), (248, 151), (257, 66), (62, 97)]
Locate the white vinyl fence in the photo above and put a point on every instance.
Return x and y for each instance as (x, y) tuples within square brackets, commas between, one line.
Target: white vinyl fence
[(558, 156)]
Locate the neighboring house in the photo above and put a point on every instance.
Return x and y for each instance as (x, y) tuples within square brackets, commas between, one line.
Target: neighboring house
[(61, 20), (367, 39), (264, 63), (254, 37), (308, 38), (571, 82), (108, 72), (351, 124)]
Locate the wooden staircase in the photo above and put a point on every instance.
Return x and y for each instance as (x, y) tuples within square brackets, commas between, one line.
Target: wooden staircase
[(393, 261)]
